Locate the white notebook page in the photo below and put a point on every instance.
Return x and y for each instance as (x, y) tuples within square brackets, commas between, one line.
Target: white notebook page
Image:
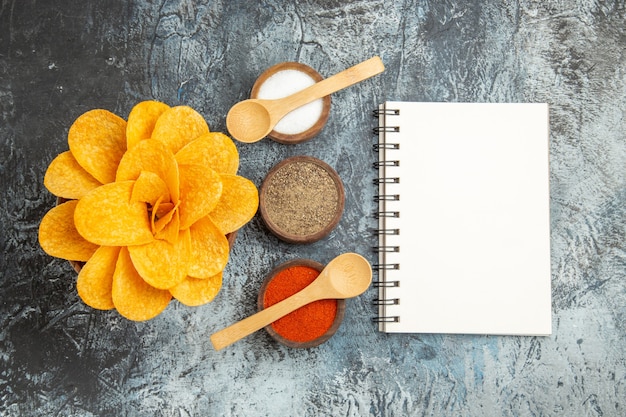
[(474, 241)]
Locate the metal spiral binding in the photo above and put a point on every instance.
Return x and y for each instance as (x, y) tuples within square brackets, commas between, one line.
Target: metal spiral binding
[(387, 302), (379, 164), (387, 129), (383, 146), (386, 319), (386, 267), (386, 231), (378, 146), (389, 180), (390, 197), (385, 284), (386, 112), (387, 249), (379, 214)]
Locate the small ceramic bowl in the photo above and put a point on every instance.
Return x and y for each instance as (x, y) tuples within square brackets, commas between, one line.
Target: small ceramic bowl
[(271, 84), (301, 199), (341, 307)]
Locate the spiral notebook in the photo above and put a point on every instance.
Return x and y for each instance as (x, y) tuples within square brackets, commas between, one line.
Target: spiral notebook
[(464, 227)]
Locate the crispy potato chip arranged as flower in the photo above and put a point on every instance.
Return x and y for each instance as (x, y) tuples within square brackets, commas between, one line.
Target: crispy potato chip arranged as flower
[(141, 121), (151, 201)]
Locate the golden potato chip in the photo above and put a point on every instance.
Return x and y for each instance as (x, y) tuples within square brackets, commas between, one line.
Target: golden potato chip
[(97, 140), (195, 292), (238, 203), (178, 126), (209, 249), (154, 215), (107, 216), (168, 227), (164, 208), (200, 191), (141, 121), (132, 296), (161, 264), (162, 214), (153, 156), (58, 236), (214, 150), (66, 178), (149, 187), (95, 279)]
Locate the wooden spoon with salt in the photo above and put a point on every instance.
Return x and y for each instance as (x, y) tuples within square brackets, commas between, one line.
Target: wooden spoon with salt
[(346, 276), (251, 120)]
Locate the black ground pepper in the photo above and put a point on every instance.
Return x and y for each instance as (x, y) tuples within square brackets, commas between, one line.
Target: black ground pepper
[(301, 198)]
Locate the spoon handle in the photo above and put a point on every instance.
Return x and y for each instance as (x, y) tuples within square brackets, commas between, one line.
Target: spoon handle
[(257, 321), (341, 80)]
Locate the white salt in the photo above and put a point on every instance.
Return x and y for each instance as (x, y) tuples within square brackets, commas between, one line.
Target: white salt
[(285, 83)]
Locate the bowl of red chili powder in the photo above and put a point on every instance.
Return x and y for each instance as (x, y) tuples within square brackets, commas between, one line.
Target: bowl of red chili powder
[(310, 325)]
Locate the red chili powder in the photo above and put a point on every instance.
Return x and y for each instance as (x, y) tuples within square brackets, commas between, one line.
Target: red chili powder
[(308, 322)]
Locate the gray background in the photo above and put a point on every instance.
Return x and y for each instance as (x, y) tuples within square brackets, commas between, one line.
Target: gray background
[(60, 58)]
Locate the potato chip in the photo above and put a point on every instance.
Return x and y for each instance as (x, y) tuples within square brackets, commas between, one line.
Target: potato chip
[(164, 208), (168, 227), (66, 178), (95, 279), (97, 139), (154, 216), (200, 191), (107, 216), (141, 121), (209, 249), (195, 292), (58, 236), (149, 187), (153, 156), (161, 264), (132, 296), (162, 214), (238, 203), (214, 150), (178, 126)]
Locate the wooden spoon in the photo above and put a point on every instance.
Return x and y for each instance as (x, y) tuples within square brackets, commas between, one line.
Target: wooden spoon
[(346, 276), (251, 120)]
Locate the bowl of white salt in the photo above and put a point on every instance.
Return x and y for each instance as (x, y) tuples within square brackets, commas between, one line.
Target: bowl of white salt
[(282, 80)]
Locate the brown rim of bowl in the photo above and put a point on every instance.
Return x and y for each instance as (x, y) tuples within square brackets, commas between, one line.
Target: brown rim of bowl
[(78, 265), (313, 130), (341, 307), (290, 237)]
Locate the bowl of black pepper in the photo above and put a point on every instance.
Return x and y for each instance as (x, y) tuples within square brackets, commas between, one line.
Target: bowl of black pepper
[(301, 199)]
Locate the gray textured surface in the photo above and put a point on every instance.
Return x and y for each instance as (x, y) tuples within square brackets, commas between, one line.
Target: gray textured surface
[(61, 58)]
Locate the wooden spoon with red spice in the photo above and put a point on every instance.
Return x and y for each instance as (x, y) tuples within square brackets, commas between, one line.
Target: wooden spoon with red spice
[(346, 276)]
